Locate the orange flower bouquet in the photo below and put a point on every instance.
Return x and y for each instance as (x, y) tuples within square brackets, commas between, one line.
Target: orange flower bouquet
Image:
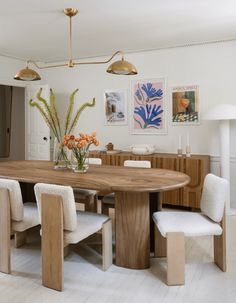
[(80, 148)]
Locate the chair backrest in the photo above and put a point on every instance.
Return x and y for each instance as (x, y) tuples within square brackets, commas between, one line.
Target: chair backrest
[(137, 163), (96, 161), (214, 196), (16, 202), (68, 202)]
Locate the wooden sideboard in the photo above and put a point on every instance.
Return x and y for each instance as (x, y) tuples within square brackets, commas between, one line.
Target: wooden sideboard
[(197, 166)]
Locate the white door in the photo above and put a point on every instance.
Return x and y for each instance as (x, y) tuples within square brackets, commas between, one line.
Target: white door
[(37, 132)]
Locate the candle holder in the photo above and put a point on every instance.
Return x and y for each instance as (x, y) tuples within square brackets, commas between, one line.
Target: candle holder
[(179, 152), (188, 151)]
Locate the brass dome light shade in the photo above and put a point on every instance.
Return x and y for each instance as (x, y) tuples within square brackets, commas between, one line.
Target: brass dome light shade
[(120, 67), (27, 74)]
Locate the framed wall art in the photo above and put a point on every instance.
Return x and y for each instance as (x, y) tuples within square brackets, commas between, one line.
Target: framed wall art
[(148, 112), (185, 105), (115, 107)]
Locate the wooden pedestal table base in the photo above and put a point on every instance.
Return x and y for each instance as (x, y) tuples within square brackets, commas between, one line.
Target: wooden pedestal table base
[(132, 230)]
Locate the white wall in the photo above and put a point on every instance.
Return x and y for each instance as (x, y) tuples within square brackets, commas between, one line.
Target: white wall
[(212, 67)]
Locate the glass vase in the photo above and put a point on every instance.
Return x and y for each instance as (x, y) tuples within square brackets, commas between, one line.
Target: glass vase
[(60, 155), (79, 163)]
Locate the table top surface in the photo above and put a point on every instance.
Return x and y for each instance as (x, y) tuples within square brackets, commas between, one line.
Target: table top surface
[(99, 177)]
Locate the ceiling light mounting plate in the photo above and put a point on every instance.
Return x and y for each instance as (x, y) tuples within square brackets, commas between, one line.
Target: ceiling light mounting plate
[(70, 12)]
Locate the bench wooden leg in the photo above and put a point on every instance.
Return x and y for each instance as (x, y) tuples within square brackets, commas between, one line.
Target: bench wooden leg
[(19, 239), (5, 232), (107, 257), (52, 242), (160, 244), (175, 258), (220, 248)]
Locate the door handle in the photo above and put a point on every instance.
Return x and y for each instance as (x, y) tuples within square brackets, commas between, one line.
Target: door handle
[(45, 139)]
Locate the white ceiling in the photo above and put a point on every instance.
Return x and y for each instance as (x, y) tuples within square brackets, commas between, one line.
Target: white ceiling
[(37, 29)]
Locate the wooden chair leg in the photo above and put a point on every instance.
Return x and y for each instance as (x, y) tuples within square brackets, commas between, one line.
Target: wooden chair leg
[(160, 244), (19, 239), (77, 206), (66, 250), (89, 203), (175, 258), (105, 209), (52, 242), (5, 232), (95, 204), (107, 257), (220, 247)]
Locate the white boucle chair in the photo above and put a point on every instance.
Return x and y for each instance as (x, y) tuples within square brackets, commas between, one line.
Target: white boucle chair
[(173, 227), (15, 218), (108, 201), (62, 225), (88, 197)]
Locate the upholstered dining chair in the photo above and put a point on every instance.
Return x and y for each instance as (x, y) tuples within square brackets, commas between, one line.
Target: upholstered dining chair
[(62, 225), (172, 228), (86, 196), (15, 218), (108, 201)]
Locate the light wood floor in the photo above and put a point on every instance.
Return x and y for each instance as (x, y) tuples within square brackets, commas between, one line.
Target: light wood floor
[(86, 282)]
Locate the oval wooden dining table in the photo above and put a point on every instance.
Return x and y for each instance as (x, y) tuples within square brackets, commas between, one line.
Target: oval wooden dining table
[(131, 186)]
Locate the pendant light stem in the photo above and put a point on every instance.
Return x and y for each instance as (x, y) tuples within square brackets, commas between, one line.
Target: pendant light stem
[(70, 62)]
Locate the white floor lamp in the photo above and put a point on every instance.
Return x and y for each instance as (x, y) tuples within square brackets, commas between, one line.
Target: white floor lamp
[(224, 113)]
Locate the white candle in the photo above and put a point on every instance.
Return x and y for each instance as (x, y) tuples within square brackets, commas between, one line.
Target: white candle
[(188, 139), (180, 142)]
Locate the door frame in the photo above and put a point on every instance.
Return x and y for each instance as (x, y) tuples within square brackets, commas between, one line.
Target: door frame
[(23, 84)]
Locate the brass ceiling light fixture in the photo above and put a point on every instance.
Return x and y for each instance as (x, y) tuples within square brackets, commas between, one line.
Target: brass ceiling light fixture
[(120, 67)]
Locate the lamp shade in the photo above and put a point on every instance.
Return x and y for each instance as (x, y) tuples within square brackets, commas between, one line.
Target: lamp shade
[(122, 67), (221, 112), (27, 74)]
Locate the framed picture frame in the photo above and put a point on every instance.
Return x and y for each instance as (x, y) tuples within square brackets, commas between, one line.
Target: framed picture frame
[(148, 107), (185, 105), (115, 107)]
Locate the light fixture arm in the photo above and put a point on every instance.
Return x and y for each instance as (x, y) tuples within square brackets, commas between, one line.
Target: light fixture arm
[(77, 63), (46, 66), (102, 62)]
